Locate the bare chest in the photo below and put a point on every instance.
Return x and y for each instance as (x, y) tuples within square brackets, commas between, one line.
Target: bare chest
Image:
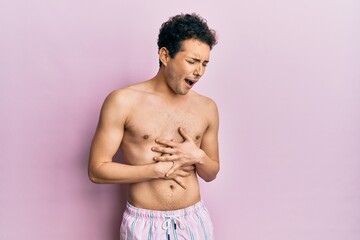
[(147, 122)]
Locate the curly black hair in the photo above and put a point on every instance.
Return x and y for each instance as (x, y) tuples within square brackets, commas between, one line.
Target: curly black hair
[(182, 27)]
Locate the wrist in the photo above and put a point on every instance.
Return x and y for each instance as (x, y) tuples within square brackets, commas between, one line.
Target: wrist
[(202, 157), (160, 169), (156, 170)]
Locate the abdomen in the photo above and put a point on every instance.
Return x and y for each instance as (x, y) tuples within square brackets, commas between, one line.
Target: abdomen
[(163, 194)]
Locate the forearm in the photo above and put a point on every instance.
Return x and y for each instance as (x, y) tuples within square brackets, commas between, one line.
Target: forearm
[(207, 168), (112, 172)]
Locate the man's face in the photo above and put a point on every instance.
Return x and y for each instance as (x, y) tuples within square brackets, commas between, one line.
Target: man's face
[(187, 66)]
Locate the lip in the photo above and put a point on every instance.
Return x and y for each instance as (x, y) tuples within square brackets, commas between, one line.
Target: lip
[(190, 85)]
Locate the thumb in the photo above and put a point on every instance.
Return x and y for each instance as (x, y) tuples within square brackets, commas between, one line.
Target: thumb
[(171, 170), (184, 134)]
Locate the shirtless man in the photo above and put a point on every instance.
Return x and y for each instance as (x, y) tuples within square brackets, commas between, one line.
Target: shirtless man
[(168, 134)]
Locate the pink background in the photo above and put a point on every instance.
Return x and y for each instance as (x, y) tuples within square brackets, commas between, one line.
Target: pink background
[(285, 75)]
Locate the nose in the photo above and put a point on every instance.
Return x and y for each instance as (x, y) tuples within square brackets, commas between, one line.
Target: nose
[(199, 70)]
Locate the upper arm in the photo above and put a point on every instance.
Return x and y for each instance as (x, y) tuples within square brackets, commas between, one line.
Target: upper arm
[(109, 131), (209, 143)]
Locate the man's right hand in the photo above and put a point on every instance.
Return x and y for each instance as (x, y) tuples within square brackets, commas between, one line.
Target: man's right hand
[(163, 167)]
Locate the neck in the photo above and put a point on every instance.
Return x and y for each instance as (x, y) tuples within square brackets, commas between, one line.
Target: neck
[(159, 85)]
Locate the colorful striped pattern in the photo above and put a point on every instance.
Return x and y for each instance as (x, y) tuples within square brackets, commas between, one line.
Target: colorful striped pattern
[(191, 223)]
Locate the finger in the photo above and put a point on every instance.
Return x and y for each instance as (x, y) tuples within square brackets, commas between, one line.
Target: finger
[(171, 170), (178, 181), (163, 150), (188, 168), (165, 158), (165, 142), (165, 154), (182, 173), (184, 134)]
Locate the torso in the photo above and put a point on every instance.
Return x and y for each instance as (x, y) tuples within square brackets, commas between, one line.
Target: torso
[(152, 117)]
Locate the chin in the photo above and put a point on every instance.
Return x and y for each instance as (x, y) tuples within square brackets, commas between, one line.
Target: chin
[(181, 92)]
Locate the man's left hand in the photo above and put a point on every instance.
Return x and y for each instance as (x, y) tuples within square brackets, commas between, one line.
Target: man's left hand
[(183, 154)]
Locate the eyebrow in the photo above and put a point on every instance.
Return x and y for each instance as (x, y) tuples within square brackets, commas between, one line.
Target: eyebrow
[(198, 60)]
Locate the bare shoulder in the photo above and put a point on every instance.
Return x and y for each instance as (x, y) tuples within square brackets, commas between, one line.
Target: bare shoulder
[(119, 103), (205, 102), (127, 96)]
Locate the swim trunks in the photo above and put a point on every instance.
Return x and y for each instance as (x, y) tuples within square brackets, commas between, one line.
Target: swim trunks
[(191, 223)]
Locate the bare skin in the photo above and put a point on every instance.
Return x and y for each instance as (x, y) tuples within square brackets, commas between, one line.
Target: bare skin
[(168, 134)]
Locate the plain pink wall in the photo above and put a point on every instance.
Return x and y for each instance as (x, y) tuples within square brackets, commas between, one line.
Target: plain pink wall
[(285, 75)]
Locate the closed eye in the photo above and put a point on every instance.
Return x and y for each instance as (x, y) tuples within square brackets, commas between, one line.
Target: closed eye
[(193, 61)]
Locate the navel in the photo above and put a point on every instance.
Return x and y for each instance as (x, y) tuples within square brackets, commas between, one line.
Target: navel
[(146, 136)]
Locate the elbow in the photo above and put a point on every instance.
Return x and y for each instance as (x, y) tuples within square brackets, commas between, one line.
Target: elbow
[(93, 178), (210, 178), (96, 180), (95, 174)]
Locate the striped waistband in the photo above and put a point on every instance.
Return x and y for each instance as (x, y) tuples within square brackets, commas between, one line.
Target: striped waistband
[(147, 213)]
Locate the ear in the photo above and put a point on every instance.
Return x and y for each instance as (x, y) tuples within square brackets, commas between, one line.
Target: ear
[(164, 55)]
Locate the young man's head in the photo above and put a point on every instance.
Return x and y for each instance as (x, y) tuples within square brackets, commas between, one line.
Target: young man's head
[(183, 27)]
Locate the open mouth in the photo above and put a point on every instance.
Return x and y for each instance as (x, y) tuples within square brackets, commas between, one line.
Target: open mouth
[(189, 82)]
